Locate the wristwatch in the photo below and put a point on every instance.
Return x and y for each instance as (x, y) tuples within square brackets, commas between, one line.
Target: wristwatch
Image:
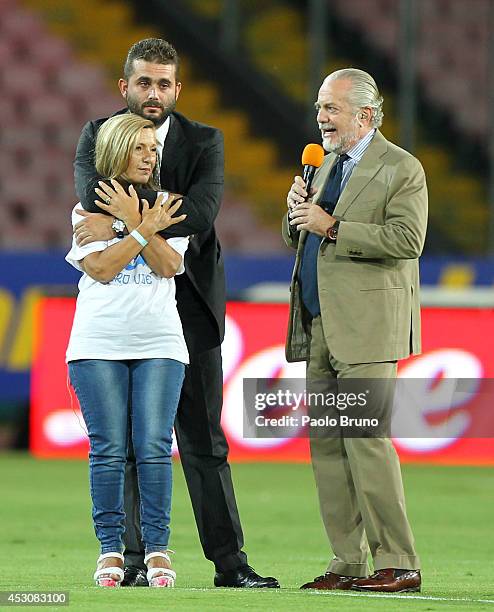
[(332, 232), (118, 227)]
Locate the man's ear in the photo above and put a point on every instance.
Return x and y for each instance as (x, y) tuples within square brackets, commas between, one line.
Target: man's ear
[(123, 86), (178, 88), (366, 114)]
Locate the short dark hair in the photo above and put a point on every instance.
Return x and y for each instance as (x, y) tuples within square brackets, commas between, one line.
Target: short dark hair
[(154, 50)]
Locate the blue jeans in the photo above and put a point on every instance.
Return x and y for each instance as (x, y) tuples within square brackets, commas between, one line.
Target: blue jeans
[(107, 391)]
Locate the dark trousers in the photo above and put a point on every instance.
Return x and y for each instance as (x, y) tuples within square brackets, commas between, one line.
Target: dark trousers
[(204, 455)]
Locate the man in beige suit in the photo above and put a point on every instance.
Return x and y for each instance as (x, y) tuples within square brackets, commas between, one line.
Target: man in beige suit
[(354, 312)]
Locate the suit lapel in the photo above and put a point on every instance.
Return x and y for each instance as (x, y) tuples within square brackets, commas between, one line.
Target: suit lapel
[(322, 176), (173, 148), (363, 173)]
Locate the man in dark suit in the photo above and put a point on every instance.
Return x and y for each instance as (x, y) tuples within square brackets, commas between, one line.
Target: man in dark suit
[(192, 162)]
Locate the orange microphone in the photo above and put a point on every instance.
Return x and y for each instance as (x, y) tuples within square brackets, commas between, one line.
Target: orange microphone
[(312, 158)]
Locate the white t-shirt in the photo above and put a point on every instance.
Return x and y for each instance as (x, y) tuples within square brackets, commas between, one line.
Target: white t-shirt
[(134, 316)]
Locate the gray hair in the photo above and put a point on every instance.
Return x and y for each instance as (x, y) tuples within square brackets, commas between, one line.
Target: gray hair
[(363, 92)]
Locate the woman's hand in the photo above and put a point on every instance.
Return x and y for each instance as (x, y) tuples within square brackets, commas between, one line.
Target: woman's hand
[(161, 216), (119, 203)]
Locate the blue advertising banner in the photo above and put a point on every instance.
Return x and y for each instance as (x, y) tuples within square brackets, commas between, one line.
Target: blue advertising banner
[(24, 277)]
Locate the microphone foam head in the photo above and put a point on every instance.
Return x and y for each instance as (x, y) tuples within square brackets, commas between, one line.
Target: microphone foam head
[(313, 155)]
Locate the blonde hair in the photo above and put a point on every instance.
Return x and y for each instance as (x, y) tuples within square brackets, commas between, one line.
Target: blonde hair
[(115, 142)]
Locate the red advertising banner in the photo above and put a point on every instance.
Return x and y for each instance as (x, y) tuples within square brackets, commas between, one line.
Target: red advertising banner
[(454, 346)]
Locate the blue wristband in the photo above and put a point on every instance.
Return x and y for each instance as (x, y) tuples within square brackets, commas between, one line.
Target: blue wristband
[(137, 236)]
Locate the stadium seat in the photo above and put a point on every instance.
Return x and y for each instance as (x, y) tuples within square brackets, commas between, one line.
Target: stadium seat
[(51, 109), (20, 81)]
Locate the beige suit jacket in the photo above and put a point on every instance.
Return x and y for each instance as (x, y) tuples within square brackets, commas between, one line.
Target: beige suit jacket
[(369, 280)]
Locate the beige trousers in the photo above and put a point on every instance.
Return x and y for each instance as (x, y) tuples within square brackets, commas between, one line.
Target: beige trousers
[(358, 479)]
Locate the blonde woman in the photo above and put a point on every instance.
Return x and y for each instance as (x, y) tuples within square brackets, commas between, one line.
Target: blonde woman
[(127, 349)]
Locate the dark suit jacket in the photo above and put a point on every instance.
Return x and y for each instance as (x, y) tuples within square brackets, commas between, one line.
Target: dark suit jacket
[(193, 165)]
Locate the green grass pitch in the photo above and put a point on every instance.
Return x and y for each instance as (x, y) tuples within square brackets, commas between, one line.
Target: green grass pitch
[(47, 541)]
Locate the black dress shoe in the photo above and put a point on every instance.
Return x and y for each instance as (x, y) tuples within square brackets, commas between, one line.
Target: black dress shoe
[(244, 577), (134, 577)]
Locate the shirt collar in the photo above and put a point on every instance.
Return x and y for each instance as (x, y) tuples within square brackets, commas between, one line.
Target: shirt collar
[(357, 151), (162, 132)]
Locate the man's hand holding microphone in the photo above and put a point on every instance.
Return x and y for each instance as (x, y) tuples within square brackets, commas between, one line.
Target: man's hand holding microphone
[(303, 214)]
